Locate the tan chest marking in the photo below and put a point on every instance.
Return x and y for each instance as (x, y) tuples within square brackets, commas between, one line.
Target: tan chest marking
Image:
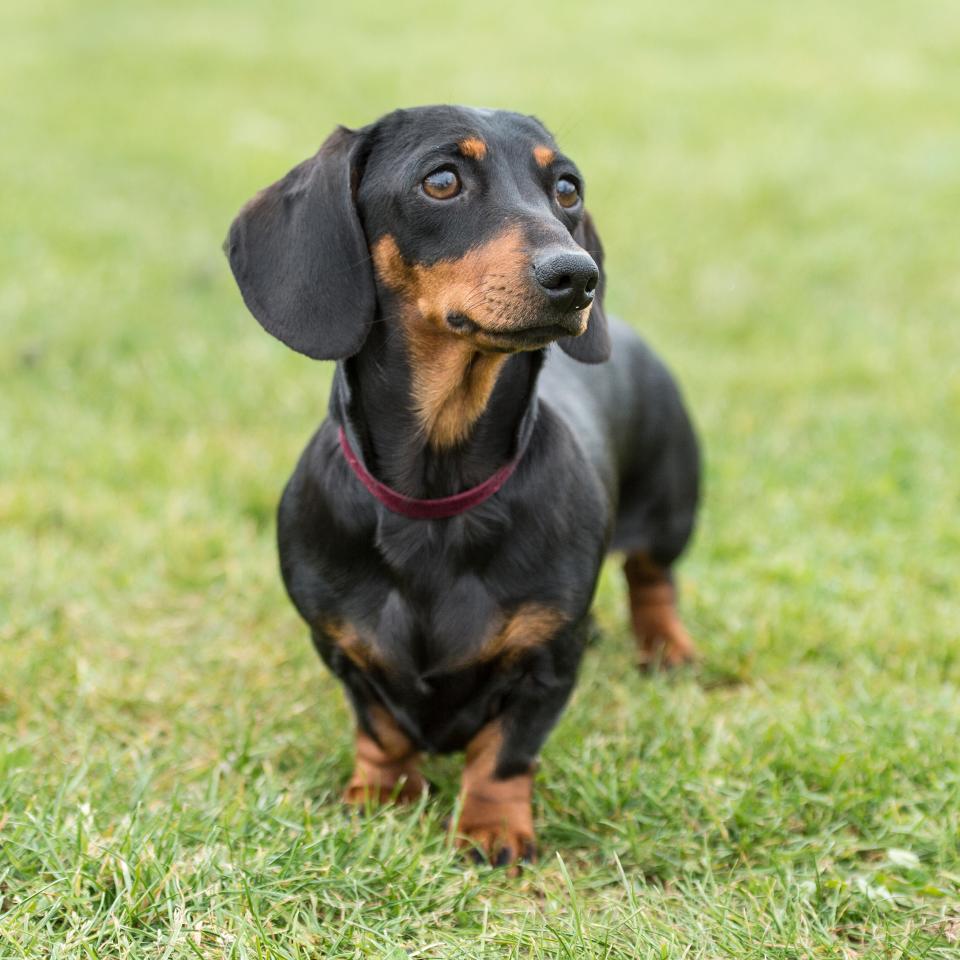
[(354, 646), (528, 627)]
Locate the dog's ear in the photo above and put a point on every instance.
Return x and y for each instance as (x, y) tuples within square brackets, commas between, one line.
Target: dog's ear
[(592, 346), (300, 256)]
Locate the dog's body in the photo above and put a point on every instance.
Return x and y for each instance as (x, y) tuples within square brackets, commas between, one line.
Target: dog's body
[(464, 632)]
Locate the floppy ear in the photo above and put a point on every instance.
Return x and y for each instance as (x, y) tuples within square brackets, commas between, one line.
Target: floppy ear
[(300, 256), (592, 346)]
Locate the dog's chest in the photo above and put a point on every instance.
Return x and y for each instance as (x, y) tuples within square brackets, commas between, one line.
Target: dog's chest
[(449, 597), (434, 624), (432, 617), (441, 664)]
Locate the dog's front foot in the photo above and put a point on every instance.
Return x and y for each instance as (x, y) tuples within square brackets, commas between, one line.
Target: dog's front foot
[(387, 770), (380, 785), (496, 822), (496, 812)]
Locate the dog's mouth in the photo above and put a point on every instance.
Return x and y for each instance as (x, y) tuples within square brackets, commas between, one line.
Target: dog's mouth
[(531, 337)]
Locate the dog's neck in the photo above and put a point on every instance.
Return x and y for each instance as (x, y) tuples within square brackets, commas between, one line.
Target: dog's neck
[(481, 401)]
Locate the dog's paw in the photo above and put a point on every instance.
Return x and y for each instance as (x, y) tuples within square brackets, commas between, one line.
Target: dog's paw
[(496, 829), (662, 641), (498, 847), (374, 787), (666, 646)]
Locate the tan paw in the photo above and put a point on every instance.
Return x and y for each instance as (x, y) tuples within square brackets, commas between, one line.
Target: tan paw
[(385, 770), (373, 788), (662, 641), (498, 847), (665, 644), (496, 824)]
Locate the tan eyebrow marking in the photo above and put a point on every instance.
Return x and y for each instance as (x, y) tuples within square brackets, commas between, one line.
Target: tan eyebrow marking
[(473, 147), (543, 155)]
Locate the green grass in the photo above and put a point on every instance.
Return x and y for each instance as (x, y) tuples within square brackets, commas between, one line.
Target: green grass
[(778, 189)]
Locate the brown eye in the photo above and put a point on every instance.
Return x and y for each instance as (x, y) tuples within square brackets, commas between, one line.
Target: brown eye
[(443, 184), (568, 193)]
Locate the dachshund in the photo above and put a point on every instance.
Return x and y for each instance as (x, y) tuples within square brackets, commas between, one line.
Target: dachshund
[(490, 436)]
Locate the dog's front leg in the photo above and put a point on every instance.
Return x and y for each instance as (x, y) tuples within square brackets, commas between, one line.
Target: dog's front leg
[(386, 765), (496, 795), (496, 811)]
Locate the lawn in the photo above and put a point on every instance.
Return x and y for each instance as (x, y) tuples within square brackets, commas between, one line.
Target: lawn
[(778, 189)]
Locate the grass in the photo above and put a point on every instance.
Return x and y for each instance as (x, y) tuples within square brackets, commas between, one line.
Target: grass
[(778, 191)]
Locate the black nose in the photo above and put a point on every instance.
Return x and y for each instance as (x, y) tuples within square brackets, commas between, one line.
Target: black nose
[(568, 279)]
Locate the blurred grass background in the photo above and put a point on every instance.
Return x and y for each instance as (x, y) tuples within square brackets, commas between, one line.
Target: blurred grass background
[(778, 189)]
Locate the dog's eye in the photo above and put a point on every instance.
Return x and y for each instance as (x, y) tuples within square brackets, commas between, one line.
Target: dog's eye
[(442, 184), (568, 192)]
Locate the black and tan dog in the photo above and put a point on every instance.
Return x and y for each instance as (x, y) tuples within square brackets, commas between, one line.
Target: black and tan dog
[(489, 439)]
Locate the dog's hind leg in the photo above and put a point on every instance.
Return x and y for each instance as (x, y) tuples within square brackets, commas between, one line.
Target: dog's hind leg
[(662, 640)]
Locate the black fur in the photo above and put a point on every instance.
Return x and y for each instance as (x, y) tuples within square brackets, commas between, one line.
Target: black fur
[(300, 257), (611, 458)]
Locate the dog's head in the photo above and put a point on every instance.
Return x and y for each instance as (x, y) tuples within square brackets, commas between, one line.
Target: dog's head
[(467, 224)]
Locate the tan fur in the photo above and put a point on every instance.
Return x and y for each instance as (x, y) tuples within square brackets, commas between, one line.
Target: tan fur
[(453, 376), (530, 626), (354, 646), (452, 383), (473, 147), (495, 815), (477, 284), (662, 641), (543, 155), (387, 768)]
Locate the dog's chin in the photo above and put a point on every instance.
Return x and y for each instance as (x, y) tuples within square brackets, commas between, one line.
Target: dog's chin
[(519, 338)]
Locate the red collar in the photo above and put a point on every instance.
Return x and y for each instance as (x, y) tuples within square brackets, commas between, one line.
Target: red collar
[(436, 509)]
